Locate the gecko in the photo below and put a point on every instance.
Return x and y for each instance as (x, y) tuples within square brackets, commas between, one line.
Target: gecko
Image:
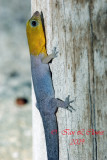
[(46, 102)]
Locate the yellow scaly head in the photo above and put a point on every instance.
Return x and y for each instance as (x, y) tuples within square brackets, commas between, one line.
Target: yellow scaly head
[(35, 35)]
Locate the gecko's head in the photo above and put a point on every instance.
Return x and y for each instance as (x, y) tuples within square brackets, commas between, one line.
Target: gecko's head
[(35, 35)]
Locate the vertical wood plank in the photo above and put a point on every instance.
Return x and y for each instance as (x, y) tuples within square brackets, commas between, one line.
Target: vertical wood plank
[(77, 29), (99, 49)]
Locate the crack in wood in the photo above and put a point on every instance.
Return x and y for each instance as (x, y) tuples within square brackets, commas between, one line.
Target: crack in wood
[(92, 82)]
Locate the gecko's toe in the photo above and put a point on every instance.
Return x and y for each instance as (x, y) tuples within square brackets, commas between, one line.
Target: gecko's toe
[(55, 52), (70, 108), (67, 101)]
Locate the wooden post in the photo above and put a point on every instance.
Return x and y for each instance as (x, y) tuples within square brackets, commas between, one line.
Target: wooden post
[(77, 28)]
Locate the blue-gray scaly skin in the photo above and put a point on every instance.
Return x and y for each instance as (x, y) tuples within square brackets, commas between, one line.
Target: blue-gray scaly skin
[(46, 103)]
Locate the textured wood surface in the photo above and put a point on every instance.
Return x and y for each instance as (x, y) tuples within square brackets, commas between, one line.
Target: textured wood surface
[(77, 28)]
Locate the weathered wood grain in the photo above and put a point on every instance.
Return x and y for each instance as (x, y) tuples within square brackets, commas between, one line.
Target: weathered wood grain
[(78, 29)]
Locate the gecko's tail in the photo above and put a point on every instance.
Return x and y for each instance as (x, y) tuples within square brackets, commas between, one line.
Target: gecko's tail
[(51, 135)]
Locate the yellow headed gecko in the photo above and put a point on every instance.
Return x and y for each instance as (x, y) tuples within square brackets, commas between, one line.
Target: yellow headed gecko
[(43, 86)]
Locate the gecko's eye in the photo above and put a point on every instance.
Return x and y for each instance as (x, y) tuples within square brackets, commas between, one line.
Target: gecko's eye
[(33, 23)]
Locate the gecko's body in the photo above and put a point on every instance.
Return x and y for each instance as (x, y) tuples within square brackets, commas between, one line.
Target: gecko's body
[(44, 94), (43, 86), (42, 81), (42, 78)]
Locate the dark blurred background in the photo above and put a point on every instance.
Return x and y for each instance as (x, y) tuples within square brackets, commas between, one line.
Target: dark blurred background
[(15, 82)]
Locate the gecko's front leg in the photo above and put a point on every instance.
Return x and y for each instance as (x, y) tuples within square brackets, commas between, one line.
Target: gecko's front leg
[(47, 59)]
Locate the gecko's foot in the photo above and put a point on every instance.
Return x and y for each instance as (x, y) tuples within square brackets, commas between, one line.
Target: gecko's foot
[(67, 101), (54, 52)]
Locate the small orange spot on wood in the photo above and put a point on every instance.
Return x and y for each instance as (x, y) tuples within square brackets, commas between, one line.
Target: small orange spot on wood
[(21, 101)]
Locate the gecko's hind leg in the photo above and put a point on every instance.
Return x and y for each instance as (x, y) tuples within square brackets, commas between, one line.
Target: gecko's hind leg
[(68, 102), (63, 104)]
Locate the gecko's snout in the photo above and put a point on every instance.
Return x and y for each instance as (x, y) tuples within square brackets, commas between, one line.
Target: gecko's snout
[(36, 13)]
